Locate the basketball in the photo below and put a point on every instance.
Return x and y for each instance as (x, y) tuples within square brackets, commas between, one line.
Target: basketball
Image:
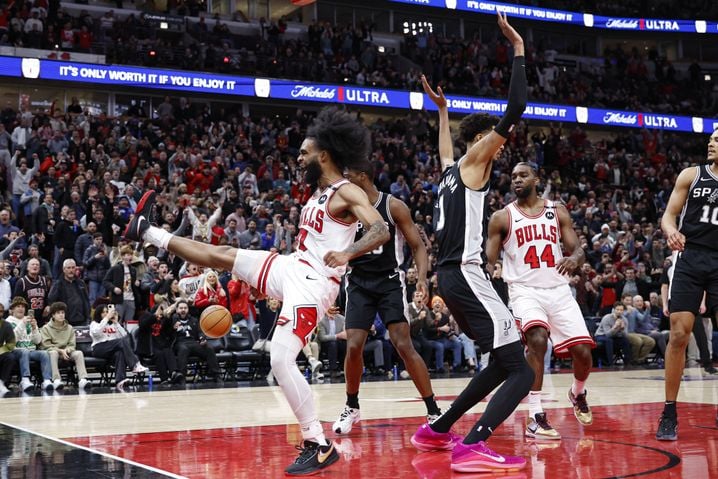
[(215, 321)]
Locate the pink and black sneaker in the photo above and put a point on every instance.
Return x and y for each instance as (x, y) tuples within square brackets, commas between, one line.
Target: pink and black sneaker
[(480, 458), (426, 439)]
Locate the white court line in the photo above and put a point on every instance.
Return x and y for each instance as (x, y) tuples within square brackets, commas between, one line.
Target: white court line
[(94, 451)]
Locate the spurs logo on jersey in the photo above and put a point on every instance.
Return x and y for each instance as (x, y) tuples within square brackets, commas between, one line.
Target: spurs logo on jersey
[(699, 218), (320, 232), (532, 248)]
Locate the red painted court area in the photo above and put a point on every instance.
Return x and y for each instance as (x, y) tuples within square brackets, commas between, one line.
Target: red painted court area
[(620, 443)]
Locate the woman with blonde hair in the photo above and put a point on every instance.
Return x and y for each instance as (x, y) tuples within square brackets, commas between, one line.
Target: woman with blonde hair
[(210, 292)]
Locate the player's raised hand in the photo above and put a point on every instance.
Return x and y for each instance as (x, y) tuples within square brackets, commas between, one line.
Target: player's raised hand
[(438, 98), (509, 32)]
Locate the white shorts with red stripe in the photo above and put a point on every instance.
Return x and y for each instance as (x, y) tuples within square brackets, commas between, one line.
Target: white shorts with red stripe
[(552, 308), (305, 294)]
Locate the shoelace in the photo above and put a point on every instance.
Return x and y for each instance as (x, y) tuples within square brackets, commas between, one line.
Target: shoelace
[(581, 402), (542, 421), (345, 413), (305, 453)]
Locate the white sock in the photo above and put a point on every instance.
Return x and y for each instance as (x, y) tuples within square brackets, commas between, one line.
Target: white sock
[(577, 387), (158, 237), (535, 403)]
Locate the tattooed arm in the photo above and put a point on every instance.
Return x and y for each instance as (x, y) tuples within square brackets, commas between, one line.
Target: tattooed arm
[(353, 201)]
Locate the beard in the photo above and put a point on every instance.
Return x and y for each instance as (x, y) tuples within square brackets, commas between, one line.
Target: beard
[(312, 173), (525, 192)]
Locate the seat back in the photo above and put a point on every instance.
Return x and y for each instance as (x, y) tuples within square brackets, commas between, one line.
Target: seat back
[(239, 339)]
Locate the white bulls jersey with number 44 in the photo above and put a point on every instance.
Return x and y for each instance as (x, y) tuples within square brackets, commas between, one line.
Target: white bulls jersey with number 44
[(320, 232), (532, 248)]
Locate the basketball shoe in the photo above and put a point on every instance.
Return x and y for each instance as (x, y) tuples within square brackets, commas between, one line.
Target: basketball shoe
[(581, 409), (312, 458), (480, 458), (140, 221), (538, 427), (667, 428), (347, 419), (426, 439)]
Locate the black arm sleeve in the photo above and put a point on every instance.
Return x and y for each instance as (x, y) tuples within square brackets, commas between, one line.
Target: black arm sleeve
[(517, 98)]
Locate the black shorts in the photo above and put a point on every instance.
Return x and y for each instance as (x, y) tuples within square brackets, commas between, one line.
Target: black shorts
[(477, 307), (695, 272), (368, 295)]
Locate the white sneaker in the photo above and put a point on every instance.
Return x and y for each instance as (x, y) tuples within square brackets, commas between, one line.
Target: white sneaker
[(47, 384), (26, 384), (121, 385), (315, 364), (270, 378), (3, 388), (139, 368), (83, 383), (347, 419), (57, 384)]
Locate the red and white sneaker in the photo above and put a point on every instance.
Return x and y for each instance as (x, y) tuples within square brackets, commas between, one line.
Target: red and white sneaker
[(140, 221), (426, 439), (480, 458)]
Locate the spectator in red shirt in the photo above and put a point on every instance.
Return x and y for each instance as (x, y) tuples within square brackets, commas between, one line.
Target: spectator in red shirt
[(211, 292)]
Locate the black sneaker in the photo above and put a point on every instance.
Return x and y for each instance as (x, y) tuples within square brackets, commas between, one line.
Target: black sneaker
[(140, 222), (312, 458), (667, 428), (710, 371)]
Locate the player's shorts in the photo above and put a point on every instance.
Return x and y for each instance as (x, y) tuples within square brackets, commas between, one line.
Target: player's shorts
[(305, 294), (695, 272), (555, 309), (365, 296), (476, 306)]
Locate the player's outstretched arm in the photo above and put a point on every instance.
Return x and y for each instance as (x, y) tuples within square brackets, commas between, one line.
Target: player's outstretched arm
[(498, 229), (669, 222), (402, 217), (483, 151), (568, 264), (353, 199), (446, 144)]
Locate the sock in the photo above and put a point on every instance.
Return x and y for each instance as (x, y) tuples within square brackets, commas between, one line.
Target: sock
[(535, 403), (669, 409), (431, 407), (353, 400), (478, 433), (158, 237), (577, 387), (321, 440)]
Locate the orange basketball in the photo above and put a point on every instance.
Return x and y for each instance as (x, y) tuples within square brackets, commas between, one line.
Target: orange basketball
[(215, 321)]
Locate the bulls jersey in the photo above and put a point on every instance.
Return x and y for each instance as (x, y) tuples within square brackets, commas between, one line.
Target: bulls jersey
[(532, 247), (387, 258), (461, 218), (699, 217), (320, 232), (35, 293)]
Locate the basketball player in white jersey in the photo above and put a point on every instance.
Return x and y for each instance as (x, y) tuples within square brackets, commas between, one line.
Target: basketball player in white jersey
[(531, 231), (307, 281)]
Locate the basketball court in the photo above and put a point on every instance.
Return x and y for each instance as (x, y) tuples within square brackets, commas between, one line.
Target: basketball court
[(245, 432)]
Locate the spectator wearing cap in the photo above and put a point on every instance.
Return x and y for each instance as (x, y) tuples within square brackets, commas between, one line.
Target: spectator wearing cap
[(438, 332), (58, 339), (97, 263), (72, 291), (604, 238), (28, 337), (122, 283)]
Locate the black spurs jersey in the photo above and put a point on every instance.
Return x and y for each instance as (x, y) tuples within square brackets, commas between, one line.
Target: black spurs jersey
[(387, 258), (461, 218), (699, 217)]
